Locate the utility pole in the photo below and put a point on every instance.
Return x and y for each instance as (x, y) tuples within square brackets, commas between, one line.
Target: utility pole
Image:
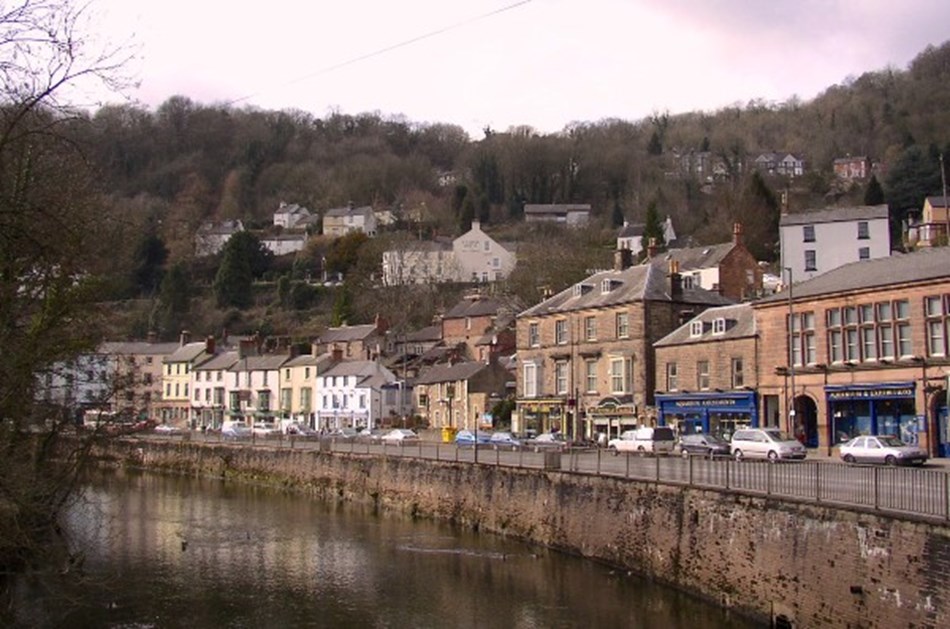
[(791, 355), (946, 210)]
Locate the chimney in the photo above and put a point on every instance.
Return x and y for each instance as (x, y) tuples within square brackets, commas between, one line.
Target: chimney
[(209, 345), (676, 281), (337, 354), (651, 248), (151, 337), (185, 338), (737, 233), (381, 324), (623, 259)]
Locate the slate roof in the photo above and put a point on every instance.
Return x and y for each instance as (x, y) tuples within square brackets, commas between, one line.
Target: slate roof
[(835, 214), (740, 323), (348, 333), (920, 266), (631, 230), (142, 348), (260, 363), (636, 283), (348, 211), (224, 228), (186, 353), (222, 361), (450, 373), (428, 333), (309, 360), (693, 258), (474, 308), (363, 368), (555, 208), (938, 201)]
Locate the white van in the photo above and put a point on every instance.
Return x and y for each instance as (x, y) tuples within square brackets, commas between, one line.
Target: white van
[(645, 440), (765, 443)]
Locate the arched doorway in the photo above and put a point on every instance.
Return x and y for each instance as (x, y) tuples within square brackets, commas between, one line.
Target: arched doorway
[(938, 409), (806, 421)]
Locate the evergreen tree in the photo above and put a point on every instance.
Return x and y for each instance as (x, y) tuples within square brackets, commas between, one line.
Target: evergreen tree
[(150, 257), (233, 282), (874, 193), (655, 146), (758, 211), (653, 229), (616, 218), (914, 176), (342, 307), (174, 299)]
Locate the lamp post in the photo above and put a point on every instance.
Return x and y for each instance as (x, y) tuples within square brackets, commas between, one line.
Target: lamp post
[(791, 354)]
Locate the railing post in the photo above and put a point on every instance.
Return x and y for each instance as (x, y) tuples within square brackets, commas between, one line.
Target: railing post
[(598, 461), (817, 482), (728, 465), (768, 480), (689, 464), (656, 456), (946, 494), (877, 504), (627, 457)]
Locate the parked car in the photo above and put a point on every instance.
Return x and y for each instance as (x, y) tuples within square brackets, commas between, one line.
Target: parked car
[(548, 441), (299, 430), (370, 435), (645, 440), (344, 434), (703, 444), (400, 436), (167, 429), (466, 438), (765, 443), (265, 429), (886, 449), (235, 430), (504, 440)]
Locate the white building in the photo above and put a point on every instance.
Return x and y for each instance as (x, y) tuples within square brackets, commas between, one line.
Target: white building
[(816, 242), (292, 216), (473, 257), (631, 235), (569, 214), (354, 394), (211, 237), (253, 386), (341, 221), (282, 244), (209, 389)]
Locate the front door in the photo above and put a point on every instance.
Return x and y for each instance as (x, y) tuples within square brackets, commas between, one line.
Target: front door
[(943, 432)]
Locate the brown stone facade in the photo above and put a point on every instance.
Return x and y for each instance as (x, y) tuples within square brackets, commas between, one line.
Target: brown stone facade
[(601, 362), (872, 361), (740, 276)]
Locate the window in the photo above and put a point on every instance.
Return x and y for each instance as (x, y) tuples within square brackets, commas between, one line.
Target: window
[(864, 253), (530, 380), (863, 233), (287, 374), (810, 261), (719, 325), (936, 315), (590, 375), (902, 327), (802, 350), (468, 323), (306, 373), (702, 375), (264, 400), (534, 337), (362, 400), (560, 378), (808, 233), (620, 369), (623, 325), (590, 329), (738, 381), (285, 398), (560, 332), (696, 328), (672, 383), (868, 332)]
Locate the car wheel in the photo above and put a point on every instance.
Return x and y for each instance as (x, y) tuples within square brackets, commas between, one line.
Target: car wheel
[(773, 456), (684, 454), (890, 460), (738, 455), (641, 451), (848, 458), (613, 451)]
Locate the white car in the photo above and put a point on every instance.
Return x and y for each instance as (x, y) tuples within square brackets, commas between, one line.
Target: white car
[(886, 449), (400, 436), (644, 440), (765, 443)]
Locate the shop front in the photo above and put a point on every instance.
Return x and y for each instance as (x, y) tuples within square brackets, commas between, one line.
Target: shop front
[(611, 416), (873, 409), (716, 413), (539, 416)]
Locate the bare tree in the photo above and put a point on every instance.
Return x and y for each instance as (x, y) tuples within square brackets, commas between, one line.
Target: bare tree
[(50, 215)]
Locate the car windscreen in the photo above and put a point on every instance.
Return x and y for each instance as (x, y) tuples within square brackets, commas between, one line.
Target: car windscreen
[(663, 434)]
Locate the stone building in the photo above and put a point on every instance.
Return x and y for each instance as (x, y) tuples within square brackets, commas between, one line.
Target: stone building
[(707, 372), (461, 395), (866, 352), (585, 356)]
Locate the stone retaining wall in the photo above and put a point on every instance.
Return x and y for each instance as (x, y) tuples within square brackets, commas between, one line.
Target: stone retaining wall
[(812, 565)]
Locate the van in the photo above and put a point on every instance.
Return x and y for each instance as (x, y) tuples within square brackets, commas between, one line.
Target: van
[(645, 440)]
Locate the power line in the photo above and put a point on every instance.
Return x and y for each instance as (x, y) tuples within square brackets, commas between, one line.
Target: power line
[(402, 44)]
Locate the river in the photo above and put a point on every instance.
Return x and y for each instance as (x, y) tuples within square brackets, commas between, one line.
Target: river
[(162, 551)]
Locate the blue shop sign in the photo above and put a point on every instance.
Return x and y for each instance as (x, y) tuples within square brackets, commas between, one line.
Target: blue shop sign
[(883, 391)]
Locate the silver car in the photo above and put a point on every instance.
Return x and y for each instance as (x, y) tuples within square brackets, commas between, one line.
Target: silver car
[(765, 443), (886, 449)]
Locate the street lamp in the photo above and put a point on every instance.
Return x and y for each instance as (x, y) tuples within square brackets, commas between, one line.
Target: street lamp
[(791, 354)]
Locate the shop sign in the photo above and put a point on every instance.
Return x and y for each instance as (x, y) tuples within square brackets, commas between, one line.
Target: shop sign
[(871, 393), (705, 402)]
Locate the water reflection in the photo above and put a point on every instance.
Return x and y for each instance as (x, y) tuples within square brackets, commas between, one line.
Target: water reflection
[(178, 552)]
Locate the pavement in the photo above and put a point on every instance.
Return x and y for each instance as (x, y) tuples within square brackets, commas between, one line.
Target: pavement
[(821, 454)]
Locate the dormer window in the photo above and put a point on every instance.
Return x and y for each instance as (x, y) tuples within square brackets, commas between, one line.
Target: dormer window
[(605, 286), (696, 328), (719, 326), (580, 289)]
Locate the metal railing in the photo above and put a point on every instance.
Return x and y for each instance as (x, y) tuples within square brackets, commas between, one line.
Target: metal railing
[(897, 491)]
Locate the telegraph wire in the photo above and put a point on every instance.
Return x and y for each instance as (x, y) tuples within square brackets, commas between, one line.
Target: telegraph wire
[(390, 48)]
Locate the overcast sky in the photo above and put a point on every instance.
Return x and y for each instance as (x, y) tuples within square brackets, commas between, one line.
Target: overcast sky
[(498, 63)]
